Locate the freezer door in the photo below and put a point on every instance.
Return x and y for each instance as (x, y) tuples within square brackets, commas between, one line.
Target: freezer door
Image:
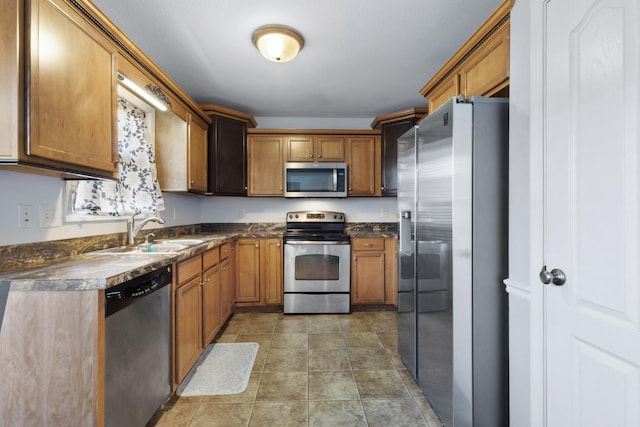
[(406, 247)]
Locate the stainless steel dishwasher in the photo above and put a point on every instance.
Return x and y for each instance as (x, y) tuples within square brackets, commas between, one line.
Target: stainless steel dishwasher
[(137, 348)]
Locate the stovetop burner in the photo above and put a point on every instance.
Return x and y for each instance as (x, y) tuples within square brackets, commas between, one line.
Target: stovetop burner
[(316, 226)]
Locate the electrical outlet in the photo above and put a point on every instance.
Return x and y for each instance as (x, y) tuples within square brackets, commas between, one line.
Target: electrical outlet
[(242, 212), (25, 216), (49, 215)]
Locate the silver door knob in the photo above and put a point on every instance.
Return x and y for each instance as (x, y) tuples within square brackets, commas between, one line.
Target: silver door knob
[(555, 276)]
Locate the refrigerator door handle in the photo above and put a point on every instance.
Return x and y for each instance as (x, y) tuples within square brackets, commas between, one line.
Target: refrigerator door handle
[(406, 235)]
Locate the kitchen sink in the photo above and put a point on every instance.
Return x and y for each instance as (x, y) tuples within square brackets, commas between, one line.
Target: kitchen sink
[(153, 248), (185, 242)]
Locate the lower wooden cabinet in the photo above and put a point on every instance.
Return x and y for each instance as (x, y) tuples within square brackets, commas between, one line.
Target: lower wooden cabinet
[(227, 281), (373, 271), (203, 301), (259, 272), (188, 324)]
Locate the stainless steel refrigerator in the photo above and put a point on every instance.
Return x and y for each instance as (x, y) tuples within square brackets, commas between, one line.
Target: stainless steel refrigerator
[(452, 306)]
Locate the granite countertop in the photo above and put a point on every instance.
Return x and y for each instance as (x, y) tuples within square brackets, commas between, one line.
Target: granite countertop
[(91, 269), (99, 270)]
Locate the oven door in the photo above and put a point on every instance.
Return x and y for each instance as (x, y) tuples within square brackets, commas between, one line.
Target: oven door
[(317, 266)]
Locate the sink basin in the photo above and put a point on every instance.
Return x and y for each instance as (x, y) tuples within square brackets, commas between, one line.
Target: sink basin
[(184, 242), (153, 248)]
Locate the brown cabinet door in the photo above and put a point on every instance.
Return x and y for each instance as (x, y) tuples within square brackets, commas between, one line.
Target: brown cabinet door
[(197, 155), (266, 165), (188, 333), (71, 91), (300, 148), (273, 270), (227, 291), (210, 305), (329, 149), (363, 161), (486, 71), (367, 277), (227, 157), (248, 271)]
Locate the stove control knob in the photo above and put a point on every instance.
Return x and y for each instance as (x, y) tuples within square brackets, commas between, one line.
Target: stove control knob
[(296, 216), (290, 216)]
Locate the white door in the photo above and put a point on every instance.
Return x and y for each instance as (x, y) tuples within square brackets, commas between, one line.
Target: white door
[(592, 212)]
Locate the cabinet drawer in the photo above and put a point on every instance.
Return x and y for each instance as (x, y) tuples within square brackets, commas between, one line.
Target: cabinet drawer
[(225, 251), (210, 258), (188, 269), (367, 244)]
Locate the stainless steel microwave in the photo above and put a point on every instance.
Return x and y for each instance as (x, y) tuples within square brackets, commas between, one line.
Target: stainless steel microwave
[(315, 179)]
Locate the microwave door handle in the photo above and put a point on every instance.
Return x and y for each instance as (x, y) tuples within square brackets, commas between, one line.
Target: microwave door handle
[(335, 179)]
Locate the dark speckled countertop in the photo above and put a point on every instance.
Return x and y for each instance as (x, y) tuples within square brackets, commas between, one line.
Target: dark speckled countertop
[(85, 269)]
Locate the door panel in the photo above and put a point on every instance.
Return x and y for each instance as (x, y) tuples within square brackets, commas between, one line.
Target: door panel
[(591, 213)]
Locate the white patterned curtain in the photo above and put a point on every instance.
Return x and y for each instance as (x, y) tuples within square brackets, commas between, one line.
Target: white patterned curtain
[(137, 188)]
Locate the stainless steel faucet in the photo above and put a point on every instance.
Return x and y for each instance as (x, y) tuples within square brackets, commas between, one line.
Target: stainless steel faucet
[(132, 231)]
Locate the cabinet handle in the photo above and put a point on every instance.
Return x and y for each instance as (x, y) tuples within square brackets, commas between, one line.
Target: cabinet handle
[(193, 181), (311, 156), (257, 246), (277, 245), (349, 188), (355, 258), (368, 245), (224, 268)]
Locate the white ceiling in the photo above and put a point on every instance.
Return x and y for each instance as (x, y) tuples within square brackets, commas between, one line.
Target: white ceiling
[(361, 58)]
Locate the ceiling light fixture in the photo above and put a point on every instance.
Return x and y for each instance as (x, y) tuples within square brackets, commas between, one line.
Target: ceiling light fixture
[(278, 43)]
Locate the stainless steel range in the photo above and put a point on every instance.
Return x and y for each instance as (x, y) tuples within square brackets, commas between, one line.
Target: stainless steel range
[(317, 265)]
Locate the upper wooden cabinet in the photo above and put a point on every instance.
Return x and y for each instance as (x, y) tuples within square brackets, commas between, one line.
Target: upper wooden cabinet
[(363, 163), (180, 134), (479, 67), (321, 148), (71, 95), (266, 165), (393, 126), (269, 149), (64, 121), (227, 170), (197, 155)]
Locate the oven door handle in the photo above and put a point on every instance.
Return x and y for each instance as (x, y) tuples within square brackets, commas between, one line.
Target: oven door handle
[(317, 242)]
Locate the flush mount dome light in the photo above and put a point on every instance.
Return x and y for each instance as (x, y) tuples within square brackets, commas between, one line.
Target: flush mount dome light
[(278, 43)]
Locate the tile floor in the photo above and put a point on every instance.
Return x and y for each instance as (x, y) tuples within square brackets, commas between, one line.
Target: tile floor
[(312, 370)]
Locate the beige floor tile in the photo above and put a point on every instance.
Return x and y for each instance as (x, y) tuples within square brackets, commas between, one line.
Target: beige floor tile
[(355, 325), (227, 338), (388, 339), (247, 396), (282, 386), (324, 326), (292, 325), (287, 360), (385, 325), (399, 412), (380, 385), (413, 388), (427, 412), (290, 341), (222, 415), (369, 358), (330, 340), (285, 414), (263, 340), (329, 359), (332, 385), (255, 326), (336, 413), (362, 339), (177, 415)]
